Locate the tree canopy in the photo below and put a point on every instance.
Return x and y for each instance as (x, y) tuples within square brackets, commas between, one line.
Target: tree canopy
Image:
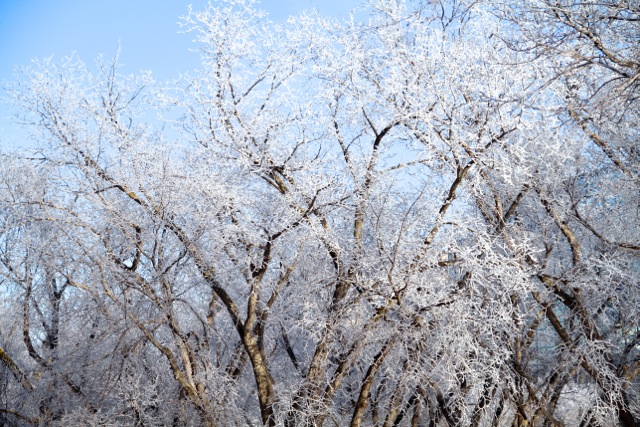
[(430, 217)]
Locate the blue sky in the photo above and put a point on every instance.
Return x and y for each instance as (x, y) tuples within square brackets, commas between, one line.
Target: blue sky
[(146, 30)]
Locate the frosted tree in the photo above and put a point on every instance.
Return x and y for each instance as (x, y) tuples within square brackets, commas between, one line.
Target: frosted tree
[(426, 218)]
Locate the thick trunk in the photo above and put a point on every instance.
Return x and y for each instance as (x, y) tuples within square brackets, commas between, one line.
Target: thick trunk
[(264, 383), (367, 383)]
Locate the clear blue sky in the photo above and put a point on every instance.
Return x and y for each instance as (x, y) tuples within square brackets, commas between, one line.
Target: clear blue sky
[(146, 30)]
